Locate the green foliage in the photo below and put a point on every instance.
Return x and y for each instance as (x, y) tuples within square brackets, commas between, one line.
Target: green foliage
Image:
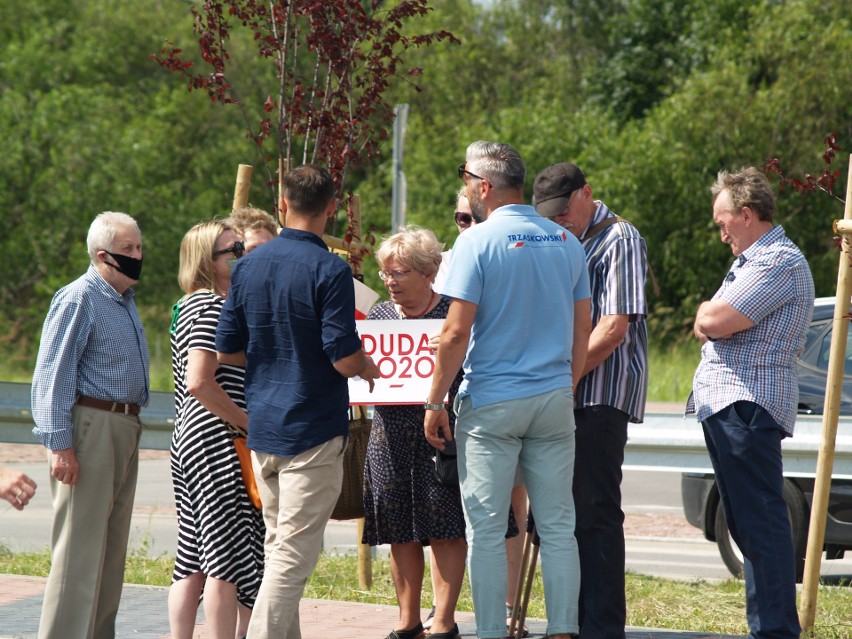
[(727, 84), (650, 97), (91, 124), (671, 365), (653, 45), (35, 564), (142, 567), (724, 118)]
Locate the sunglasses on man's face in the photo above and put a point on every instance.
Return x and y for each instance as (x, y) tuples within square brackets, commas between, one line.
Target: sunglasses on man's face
[(463, 171), (237, 248), (463, 219)]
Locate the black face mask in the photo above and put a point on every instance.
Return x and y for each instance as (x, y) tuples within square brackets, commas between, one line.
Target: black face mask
[(129, 266)]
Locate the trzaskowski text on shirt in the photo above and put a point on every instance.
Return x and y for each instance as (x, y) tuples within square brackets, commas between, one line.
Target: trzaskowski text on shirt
[(536, 240)]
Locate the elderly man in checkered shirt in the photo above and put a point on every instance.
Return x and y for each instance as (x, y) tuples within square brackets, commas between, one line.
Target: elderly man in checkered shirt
[(745, 390), (89, 384)]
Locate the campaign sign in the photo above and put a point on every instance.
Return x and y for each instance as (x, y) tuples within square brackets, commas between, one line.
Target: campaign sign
[(400, 349)]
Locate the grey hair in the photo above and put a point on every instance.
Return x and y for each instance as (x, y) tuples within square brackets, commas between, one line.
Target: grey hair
[(499, 163), (747, 187), (102, 231), (416, 247), (462, 193)]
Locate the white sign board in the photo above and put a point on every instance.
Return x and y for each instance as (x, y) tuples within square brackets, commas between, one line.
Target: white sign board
[(400, 349)]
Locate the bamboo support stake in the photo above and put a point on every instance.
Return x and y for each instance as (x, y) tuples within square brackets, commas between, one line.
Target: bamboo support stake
[(283, 167), (365, 560), (343, 246), (355, 246), (834, 386), (243, 186), (365, 557)]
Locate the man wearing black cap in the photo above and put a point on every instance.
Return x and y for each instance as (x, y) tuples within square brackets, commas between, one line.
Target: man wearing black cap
[(611, 391)]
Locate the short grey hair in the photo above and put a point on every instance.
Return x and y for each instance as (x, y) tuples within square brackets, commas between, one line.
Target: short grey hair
[(747, 187), (102, 231), (499, 163), (415, 247)]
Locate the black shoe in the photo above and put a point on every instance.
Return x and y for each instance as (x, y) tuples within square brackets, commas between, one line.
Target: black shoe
[(452, 634), (412, 633)]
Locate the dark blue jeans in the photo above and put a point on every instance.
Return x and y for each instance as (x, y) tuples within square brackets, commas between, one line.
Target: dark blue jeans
[(745, 447), (600, 438)]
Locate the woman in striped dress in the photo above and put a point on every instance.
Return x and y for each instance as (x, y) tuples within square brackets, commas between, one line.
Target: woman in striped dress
[(220, 533)]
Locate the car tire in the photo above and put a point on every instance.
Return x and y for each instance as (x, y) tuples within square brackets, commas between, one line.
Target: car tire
[(797, 510), (732, 556)]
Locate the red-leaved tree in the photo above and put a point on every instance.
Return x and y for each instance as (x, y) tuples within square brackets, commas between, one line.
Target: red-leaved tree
[(825, 181), (333, 61)]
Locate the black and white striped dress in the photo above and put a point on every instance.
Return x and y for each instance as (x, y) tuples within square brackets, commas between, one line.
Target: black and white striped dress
[(220, 533)]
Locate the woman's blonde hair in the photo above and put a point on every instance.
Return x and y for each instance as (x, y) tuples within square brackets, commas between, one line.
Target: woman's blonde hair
[(416, 247), (250, 218), (196, 255)]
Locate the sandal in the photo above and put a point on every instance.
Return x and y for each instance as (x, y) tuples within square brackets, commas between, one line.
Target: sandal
[(452, 634), (524, 633), (427, 625), (413, 633)]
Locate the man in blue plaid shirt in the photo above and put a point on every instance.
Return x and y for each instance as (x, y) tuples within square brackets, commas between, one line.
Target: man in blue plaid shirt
[(89, 384), (745, 390)]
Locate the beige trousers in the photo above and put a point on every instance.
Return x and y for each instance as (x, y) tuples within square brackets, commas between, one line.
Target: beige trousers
[(298, 495), (91, 525)]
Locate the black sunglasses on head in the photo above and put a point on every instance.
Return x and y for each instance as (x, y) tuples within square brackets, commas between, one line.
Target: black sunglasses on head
[(237, 248), (463, 219)]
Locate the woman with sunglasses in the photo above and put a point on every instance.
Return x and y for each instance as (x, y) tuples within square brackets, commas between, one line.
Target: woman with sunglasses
[(464, 220), (220, 533)]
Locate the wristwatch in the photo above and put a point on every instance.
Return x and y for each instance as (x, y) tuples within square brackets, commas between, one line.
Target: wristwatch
[(428, 406)]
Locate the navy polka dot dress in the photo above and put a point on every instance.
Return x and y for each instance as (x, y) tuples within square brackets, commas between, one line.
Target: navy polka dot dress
[(403, 500)]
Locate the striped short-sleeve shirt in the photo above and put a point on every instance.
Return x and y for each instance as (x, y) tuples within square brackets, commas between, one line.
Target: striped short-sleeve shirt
[(617, 261)]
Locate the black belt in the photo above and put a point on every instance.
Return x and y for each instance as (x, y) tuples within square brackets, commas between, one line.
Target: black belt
[(112, 407)]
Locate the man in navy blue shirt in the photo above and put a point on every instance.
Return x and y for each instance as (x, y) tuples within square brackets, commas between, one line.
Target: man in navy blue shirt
[(290, 320)]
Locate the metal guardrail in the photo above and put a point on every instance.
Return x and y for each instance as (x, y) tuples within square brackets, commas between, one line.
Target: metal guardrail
[(665, 441), (16, 420)]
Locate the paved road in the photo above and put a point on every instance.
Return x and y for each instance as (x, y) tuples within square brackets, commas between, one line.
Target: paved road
[(659, 541)]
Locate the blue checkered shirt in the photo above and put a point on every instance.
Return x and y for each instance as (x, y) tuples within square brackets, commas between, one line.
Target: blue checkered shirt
[(92, 344), (771, 284)]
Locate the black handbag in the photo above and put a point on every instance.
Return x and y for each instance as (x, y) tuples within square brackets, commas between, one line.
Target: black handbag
[(446, 465)]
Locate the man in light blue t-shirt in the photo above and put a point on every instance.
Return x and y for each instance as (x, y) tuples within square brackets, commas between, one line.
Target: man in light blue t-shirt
[(520, 320)]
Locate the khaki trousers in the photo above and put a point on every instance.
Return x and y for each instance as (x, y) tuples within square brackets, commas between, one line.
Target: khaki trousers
[(298, 495), (91, 525)]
